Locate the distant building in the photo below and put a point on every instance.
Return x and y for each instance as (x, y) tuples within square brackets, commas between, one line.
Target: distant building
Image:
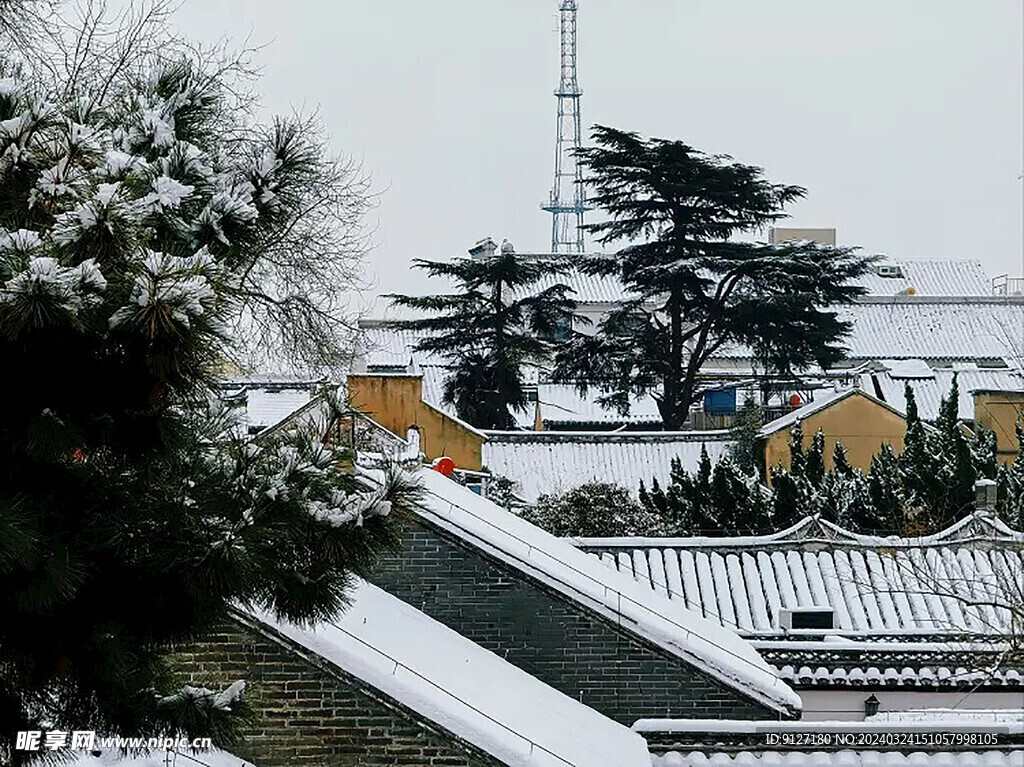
[(779, 234)]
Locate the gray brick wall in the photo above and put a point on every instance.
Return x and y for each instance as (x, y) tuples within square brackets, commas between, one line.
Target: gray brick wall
[(309, 713), (564, 644)]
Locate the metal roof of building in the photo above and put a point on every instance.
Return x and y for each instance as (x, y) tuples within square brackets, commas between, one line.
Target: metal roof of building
[(554, 462), (929, 391), (931, 278), (966, 329)]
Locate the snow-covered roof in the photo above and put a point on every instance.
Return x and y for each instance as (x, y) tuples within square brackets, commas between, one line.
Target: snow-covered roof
[(554, 462), (563, 404), (937, 720), (935, 585), (890, 669), (158, 758), (844, 758), (931, 278), (929, 390), (821, 401), (464, 688), (715, 650), (933, 329), (587, 288)]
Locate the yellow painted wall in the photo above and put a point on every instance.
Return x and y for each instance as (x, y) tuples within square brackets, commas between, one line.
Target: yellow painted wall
[(396, 403), (999, 411), (861, 424)]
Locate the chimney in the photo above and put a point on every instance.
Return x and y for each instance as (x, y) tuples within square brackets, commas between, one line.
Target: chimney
[(984, 495), (484, 249)]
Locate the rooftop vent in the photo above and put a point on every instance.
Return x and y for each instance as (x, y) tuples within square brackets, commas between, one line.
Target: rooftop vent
[(485, 248), (806, 618), (888, 270)]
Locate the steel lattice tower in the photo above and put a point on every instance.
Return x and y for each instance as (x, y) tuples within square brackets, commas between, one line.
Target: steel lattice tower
[(568, 201)]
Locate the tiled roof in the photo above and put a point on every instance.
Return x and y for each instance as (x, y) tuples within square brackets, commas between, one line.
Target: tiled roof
[(553, 462), (845, 758), (929, 391), (903, 676), (875, 586)]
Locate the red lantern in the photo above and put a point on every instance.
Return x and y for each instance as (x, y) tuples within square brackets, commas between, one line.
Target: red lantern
[(795, 400), (444, 465)]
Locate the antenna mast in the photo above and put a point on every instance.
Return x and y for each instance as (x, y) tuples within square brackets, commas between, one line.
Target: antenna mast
[(567, 203)]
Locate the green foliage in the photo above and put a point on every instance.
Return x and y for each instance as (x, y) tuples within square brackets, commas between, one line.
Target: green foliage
[(134, 214), (489, 329), (696, 288), (596, 510), (746, 452)]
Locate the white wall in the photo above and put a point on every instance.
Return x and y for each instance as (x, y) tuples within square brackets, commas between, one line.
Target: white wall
[(822, 705)]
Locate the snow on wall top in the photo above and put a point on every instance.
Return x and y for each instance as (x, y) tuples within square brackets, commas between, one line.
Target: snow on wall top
[(551, 462), (875, 586), (556, 562), (466, 689), (845, 758), (929, 391), (159, 758)]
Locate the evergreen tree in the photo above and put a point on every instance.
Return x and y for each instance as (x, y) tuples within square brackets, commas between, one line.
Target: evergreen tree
[(840, 463), (596, 509), (814, 461), (697, 289), (135, 208), (1011, 487), (886, 514), (490, 328), (746, 452)]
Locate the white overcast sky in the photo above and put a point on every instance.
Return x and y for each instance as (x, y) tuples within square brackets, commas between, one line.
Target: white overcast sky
[(901, 117)]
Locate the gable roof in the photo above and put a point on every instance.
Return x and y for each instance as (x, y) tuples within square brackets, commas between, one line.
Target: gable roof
[(715, 650), (820, 403), (464, 688), (554, 462)]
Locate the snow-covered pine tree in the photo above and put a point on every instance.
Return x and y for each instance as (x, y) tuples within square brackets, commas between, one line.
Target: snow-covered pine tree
[(814, 460), (494, 325), (597, 509), (1011, 486), (840, 463), (745, 452), (142, 210), (887, 513), (698, 289)]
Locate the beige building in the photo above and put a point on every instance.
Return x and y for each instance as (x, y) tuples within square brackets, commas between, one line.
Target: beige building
[(863, 424), (1000, 412), (395, 401)]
